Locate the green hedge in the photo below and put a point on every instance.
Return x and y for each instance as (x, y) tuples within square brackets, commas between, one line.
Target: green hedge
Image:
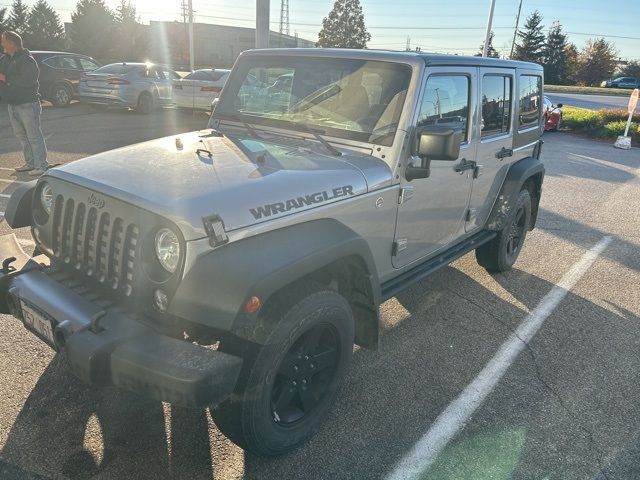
[(601, 123)]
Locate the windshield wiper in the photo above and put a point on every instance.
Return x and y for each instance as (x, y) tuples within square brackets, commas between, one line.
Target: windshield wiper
[(250, 128), (303, 127)]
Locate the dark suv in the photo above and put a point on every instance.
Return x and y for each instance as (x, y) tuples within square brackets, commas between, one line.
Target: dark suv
[(60, 74)]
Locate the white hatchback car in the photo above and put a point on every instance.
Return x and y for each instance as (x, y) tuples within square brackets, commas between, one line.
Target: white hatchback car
[(199, 88)]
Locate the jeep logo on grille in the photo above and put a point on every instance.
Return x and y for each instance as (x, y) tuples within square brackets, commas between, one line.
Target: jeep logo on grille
[(96, 201)]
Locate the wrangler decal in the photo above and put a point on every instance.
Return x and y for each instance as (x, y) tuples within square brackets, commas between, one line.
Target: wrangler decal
[(300, 202)]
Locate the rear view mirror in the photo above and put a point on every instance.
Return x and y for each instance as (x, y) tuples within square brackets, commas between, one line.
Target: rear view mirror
[(559, 105), (439, 143)]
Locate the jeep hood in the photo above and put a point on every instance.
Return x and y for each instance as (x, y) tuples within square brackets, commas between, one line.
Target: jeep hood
[(245, 181)]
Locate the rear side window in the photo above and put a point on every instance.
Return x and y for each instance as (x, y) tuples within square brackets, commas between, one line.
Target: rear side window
[(496, 104), (530, 87), (446, 102), (88, 65)]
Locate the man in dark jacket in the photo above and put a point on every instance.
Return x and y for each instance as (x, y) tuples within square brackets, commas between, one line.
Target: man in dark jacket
[(19, 88)]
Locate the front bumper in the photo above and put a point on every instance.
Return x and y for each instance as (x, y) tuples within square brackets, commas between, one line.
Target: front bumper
[(106, 346)]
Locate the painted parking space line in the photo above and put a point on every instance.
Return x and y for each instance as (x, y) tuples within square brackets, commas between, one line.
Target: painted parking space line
[(1, 214), (453, 419), (5, 195), (4, 180)]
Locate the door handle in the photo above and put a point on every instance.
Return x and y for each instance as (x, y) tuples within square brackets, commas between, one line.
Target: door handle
[(464, 165), (504, 152)]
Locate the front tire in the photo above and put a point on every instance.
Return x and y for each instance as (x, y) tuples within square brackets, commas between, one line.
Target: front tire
[(501, 253), (295, 377)]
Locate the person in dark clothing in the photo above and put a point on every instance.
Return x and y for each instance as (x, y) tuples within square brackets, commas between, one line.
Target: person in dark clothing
[(19, 88)]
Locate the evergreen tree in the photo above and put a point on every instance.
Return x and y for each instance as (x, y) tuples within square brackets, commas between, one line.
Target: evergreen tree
[(344, 26), (3, 19), (44, 30), (18, 17), (531, 44), (555, 56), (131, 41), (491, 52), (631, 69), (596, 62), (92, 28)]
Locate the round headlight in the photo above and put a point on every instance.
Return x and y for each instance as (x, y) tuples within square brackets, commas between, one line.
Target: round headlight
[(46, 197), (168, 249)]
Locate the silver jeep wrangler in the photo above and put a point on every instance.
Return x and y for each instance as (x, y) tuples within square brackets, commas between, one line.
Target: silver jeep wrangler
[(235, 268)]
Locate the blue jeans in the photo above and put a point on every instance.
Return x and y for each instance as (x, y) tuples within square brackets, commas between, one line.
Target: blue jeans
[(25, 120)]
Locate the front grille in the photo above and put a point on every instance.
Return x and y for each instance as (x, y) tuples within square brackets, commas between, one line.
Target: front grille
[(94, 243)]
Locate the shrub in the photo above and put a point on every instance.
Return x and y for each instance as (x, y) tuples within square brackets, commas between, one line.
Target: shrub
[(614, 129), (580, 119)]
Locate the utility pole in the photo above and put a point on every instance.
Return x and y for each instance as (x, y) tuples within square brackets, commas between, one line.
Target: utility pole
[(262, 23), (191, 53), (284, 17), (488, 35), (515, 31), (408, 49)]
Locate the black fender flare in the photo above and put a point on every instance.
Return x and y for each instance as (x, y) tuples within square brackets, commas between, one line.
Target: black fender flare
[(519, 173), (214, 291), (18, 211)]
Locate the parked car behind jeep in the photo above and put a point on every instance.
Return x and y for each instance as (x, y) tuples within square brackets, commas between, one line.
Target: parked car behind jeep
[(60, 74), (236, 267), (141, 86)]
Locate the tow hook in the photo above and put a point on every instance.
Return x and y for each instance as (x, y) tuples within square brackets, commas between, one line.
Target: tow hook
[(6, 265)]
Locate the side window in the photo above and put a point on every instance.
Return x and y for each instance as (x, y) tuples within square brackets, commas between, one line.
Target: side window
[(68, 63), (87, 65), (52, 62), (446, 102), (496, 104), (530, 87), (171, 75)]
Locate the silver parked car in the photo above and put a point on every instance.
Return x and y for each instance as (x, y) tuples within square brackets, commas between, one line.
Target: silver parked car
[(142, 86)]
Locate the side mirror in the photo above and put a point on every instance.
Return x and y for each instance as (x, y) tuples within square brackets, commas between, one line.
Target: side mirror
[(559, 105), (433, 142)]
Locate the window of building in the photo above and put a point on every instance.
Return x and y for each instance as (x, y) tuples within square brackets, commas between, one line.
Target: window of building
[(446, 102), (496, 104), (530, 87)]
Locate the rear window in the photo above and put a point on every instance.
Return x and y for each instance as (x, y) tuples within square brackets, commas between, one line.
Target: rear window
[(530, 87), (115, 69)]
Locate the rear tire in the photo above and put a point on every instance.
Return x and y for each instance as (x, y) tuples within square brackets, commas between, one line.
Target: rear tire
[(145, 103), (295, 377), (61, 95), (501, 253)]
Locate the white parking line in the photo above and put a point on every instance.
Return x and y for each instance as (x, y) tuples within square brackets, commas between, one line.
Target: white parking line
[(1, 214), (7, 169), (453, 419), (4, 195)]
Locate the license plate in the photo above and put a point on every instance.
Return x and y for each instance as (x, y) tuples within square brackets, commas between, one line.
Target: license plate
[(37, 322)]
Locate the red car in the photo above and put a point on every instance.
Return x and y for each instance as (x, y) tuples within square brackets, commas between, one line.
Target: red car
[(552, 115)]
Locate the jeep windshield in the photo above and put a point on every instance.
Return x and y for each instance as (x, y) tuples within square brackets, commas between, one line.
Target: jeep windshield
[(344, 98)]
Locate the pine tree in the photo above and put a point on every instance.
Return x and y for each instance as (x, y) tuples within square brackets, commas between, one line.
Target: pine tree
[(131, 41), (531, 44), (555, 56), (18, 17), (92, 28), (491, 52), (344, 26), (44, 30), (3, 19), (596, 62)]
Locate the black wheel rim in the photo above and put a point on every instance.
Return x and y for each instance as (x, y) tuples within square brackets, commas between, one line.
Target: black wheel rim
[(516, 232), (62, 96), (305, 375)]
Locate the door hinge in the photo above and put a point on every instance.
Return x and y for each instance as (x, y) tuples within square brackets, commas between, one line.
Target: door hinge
[(398, 246), (471, 215), (406, 193)]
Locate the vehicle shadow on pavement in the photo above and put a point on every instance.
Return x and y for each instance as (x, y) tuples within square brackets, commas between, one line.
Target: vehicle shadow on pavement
[(437, 336)]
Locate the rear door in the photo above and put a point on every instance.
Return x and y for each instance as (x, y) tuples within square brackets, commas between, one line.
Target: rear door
[(432, 212), (495, 148)]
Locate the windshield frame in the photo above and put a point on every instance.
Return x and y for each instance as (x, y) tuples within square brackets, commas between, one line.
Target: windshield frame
[(243, 67)]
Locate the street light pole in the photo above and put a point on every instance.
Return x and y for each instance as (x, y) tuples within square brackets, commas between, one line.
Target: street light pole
[(191, 53), (262, 23), (485, 50)]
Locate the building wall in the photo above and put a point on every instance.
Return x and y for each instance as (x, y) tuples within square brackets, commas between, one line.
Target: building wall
[(215, 46)]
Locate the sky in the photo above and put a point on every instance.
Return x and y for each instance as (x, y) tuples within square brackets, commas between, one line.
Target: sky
[(446, 26)]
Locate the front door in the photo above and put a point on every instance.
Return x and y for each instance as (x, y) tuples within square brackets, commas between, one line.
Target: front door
[(433, 210)]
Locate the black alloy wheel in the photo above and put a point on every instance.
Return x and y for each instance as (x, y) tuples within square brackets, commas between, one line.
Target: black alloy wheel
[(305, 374)]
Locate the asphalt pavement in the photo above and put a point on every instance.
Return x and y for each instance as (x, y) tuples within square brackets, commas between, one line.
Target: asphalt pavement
[(566, 408), (591, 102)]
